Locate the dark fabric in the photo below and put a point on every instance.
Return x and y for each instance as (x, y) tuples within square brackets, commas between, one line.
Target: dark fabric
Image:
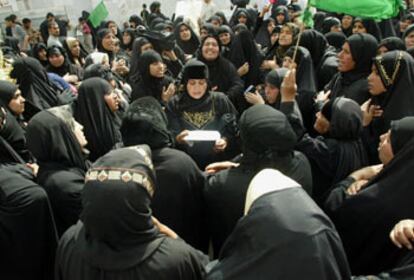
[(125, 244), (137, 20), (67, 67), (134, 75), (336, 39), (98, 70), (371, 26), (35, 53), (191, 46), (131, 33), (149, 85), (7, 93), (225, 191), (62, 164), (280, 9), (223, 75), (340, 152), (353, 84), (263, 241), (101, 125), (365, 220), (328, 23), (27, 231), (392, 43), (261, 33), (99, 37), (34, 84)]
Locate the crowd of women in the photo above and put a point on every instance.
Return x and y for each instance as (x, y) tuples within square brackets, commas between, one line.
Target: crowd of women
[(308, 176)]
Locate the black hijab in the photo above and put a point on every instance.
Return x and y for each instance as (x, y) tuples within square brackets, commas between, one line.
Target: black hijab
[(272, 228), (145, 122), (149, 85), (392, 43), (117, 231), (277, 10), (52, 141), (328, 23), (137, 20), (7, 93), (98, 70), (396, 69), (336, 40), (134, 74), (365, 220), (190, 46), (99, 38), (371, 26), (211, 30), (275, 78), (65, 68), (132, 34), (316, 44), (100, 123), (35, 53), (407, 32), (34, 83)]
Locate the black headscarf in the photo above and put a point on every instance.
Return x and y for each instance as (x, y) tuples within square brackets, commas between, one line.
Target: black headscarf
[(276, 10), (328, 23), (336, 40), (98, 70), (191, 46), (132, 34), (35, 53), (264, 239), (149, 85), (34, 83), (275, 78), (99, 37), (392, 43), (134, 74), (211, 30), (407, 31), (100, 123), (371, 26), (65, 68), (52, 140), (318, 18), (262, 35), (365, 220), (7, 93), (145, 122), (315, 43), (118, 232), (137, 20), (398, 100)]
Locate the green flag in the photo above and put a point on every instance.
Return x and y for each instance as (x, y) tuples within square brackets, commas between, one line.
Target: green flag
[(373, 9), (307, 18), (98, 14)]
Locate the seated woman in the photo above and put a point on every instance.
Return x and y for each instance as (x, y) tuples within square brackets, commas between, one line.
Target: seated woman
[(39, 52), (139, 46), (57, 141), (75, 51), (128, 37), (153, 81), (225, 191), (354, 66), (11, 100), (116, 235), (273, 228), (391, 44), (186, 39), (200, 108), (223, 75), (95, 109), (60, 64), (369, 202), (390, 84)]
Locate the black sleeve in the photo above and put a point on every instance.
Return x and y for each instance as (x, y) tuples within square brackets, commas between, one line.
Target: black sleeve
[(259, 22), (175, 67), (337, 195), (294, 116), (235, 89)]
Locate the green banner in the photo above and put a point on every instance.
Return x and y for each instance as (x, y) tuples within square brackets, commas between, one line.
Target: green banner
[(98, 14)]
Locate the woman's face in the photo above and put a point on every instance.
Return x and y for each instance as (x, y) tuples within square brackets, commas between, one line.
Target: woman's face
[(358, 28), (113, 27), (409, 40), (270, 26), (271, 93), (146, 47), (216, 23), (285, 37), (16, 104), (346, 22), (80, 136), (385, 151), (42, 54), (287, 61), (336, 28), (185, 33), (274, 37), (126, 38), (56, 60), (75, 50), (382, 50), (196, 88), (375, 84), (157, 69), (108, 41), (203, 33), (225, 38), (242, 19), (321, 124), (112, 100), (210, 49), (280, 18), (346, 62)]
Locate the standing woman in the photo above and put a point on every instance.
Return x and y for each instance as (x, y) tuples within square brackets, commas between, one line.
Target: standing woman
[(95, 109), (57, 141), (223, 75), (199, 108), (186, 38), (354, 67)]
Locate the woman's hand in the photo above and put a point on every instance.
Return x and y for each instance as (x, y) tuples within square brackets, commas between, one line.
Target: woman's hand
[(402, 234), (218, 166), (164, 229), (367, 173), (288, 87), (220, 145), (168, 92), (269, 65), (180, 137), (356, 187), (254, 98), (370, 111), (243, 70)]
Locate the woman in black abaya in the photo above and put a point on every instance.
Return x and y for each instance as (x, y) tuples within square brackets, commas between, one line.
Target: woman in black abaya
[(390, 85), (367, 26), (355, 61), (367, 204), (11, 100), (197, 107), (116, 235), (223, 75), (60, 64), (95, 109), (56, 140), (186, 38), (39, 52), (391, 44), (263, 241)]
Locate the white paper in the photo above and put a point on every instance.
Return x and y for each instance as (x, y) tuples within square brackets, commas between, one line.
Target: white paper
[(202, 135)]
